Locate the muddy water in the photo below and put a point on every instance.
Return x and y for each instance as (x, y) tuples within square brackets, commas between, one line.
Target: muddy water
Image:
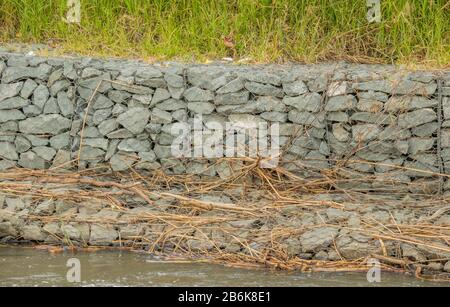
[(30, 267)]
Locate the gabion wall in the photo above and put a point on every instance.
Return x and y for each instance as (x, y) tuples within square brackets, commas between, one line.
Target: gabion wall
[(377, 126)]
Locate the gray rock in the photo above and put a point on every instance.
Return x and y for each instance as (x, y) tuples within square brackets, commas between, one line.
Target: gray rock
[(295, 88), (446, 107), (15, 204), (96, 143), (10, 115), (394, 132), (411, 252), (374, 85), (153, 82), (341, 103), (445, 138), (197, 94), (217, 83), (408, 87), (160, 94), (89, 132), (59, 86), (40, 96), (102, 102), (7, 164), (356, 246), (199, 107), (33, 232), (28, 88), (268, 104), (174, 80), (45, 124), (425, 130), (142, 99), (69, 71), (31, 160), (231, 87), (171, 105), (65, 104), (407, 103), (10, 126), (310, 102), (372, 95), (61, 158), (337, 215), (417, 145), (402, 146), (148, 72), (148, 156), (340, 133), (318, 239), (36, 140), (9, 90), (263, 89), (89, 72), (202, 76), (160, 117), (416, 118), (14, 103), (118, 96), (121, 162), (447, 267), (369, 155), (306, 118), (112, 148), (108, 126), (338, 117), (101, 115), (274, 116), (101, 84), (12, 74), (176, 92), (119, 109), (22, 144), (318, 84), (31, 110), (55, 76), (45, 208), (134, 145), (102, 235), (71, 232), (7, 229), (51, 106), (46, 153), (134, 119), (232, 98), (263, 77), (91, 153), (180, 115), (120, 134), (8, 151), (338, 88), (17, 61), (365, 132), (163, 151), (369, 105)]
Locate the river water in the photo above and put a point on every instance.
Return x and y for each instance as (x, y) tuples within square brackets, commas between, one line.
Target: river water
[(31, 267)]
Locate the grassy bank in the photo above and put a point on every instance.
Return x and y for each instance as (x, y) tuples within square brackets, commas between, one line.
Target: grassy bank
[(411, 31)]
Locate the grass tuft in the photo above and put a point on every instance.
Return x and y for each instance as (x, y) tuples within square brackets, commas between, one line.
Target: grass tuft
[(411, 31)]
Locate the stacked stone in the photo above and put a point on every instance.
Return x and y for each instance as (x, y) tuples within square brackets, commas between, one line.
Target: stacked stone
[(385, 128), (374, 124), (36, 109), (445, 133)]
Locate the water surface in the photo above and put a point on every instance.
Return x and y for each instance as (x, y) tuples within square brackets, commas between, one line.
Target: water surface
[(31, 267)]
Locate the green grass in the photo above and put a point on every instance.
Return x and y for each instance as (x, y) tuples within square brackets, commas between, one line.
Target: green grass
[(411, 31)]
